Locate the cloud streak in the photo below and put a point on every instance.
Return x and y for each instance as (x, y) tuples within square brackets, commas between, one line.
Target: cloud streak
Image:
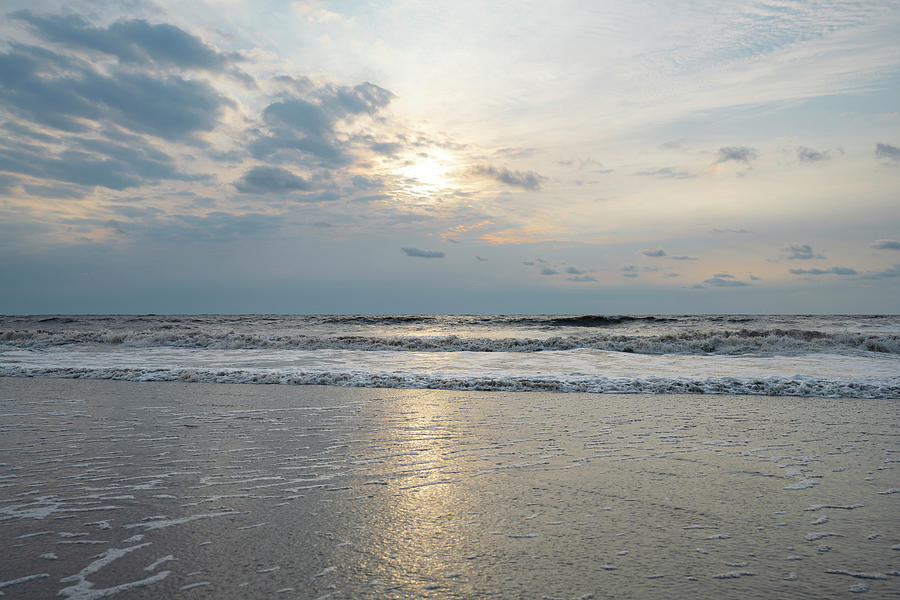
[(417, 253), (524, 179), (887, 152), (740, 154), (831, 271)]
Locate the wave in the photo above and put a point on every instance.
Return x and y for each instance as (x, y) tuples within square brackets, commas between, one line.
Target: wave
[(733, 342), (765, 386)]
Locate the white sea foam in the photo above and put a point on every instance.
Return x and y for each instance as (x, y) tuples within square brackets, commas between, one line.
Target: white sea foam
[(768, 386), (799, 356)]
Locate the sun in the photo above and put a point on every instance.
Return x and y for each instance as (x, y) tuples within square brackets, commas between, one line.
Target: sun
[(431, 170)]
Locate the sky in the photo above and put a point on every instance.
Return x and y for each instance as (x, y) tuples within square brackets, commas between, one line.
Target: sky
[(276, 156)]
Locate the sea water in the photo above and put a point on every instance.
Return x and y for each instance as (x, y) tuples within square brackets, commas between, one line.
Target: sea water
[(804, 355)]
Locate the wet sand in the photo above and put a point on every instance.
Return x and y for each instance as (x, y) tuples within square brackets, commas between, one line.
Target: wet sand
[(190, 490)]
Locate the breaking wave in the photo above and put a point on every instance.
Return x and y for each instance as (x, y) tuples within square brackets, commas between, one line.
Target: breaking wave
[(766, 386), (738, 341)]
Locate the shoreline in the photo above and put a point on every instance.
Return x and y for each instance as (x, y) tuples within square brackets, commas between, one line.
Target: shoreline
[(245, 491)]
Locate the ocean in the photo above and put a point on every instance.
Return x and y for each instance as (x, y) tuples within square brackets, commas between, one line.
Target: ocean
[(782, 355)]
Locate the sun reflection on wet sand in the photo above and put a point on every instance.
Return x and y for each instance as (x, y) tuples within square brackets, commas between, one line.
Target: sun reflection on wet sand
[(250, 491)]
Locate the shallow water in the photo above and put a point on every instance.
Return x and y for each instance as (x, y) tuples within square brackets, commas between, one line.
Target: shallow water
[(220, 491), (834, 356)]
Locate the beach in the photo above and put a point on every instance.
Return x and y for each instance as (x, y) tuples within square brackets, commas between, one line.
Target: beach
[(169, 489)]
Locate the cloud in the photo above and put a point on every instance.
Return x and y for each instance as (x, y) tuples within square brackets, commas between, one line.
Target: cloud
[(68, 94), (653, 252), (575, 271), (887, 245), (754, 277), (666, 173), (372, 198), (684, 258), (805, 154), (301, 129), (55, 191), (153, 224), (92, 162), (801, 252), (743, 154), (726, 230), (549, 271), (265, 180), (671, 275), (583, 163), (131, 41), (581, 279), (7, 182), (525, 179), (480, 259), (888, 273), (831, 271), (887, 151), (415, 252), (725, 280)]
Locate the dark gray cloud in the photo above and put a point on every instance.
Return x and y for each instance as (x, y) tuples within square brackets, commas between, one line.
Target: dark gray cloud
[(666, 173), (266, 180), (888, 273), (671, 275), (725, 280), (131, 41), (805, 154), (887, 245), (417, 253), (299, 115), (887, 151), (831, 271), (549, 271), (303, 129), (480, 259), (801, 252), (62, 93), (525, 179), (575, 271), (92, 162), (683, 258), (754, 277), (743, 154), (581, 279), (362, 182), (365, 98), (654, 252), (55, 191)]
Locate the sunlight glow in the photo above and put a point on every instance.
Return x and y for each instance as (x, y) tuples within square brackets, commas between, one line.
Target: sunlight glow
[(430, 171)]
